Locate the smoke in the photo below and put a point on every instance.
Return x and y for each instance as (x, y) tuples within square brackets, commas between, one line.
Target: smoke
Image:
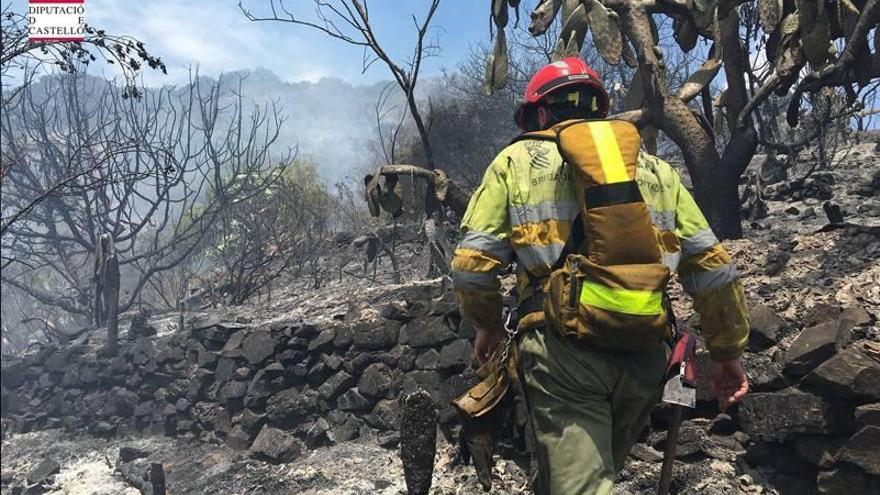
[(331, 121)]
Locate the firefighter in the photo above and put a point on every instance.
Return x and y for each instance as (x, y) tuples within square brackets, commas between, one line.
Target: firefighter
[(588, 401)]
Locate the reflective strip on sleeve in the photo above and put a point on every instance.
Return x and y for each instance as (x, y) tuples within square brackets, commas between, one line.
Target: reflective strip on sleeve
[(633, 302), (547, 210), (471, 260), (697, 281), (540, 233), (699, 242), (609, 153), (481, 241), (471, 280), (663, 220)]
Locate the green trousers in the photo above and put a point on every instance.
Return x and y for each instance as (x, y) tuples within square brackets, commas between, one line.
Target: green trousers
[(587, 406)]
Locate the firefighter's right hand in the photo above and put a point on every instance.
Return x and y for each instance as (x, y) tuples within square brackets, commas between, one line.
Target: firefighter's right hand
[(485, 342), (729, 382)]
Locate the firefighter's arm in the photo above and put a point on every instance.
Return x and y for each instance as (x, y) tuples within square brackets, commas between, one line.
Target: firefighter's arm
[(483, 250), (709, 276)]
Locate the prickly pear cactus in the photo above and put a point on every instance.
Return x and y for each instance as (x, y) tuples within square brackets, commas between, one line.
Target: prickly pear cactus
[(797, 32), (497, 62)]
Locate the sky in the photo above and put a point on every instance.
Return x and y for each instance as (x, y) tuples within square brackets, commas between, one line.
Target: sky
[(216, 36)]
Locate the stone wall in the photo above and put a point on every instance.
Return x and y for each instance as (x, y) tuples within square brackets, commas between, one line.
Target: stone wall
[(275, 388), (814, 414)]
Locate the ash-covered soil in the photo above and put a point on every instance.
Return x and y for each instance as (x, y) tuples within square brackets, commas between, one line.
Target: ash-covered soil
[(88, 467)]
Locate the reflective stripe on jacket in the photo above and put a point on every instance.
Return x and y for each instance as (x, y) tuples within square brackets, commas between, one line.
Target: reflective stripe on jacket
[(524, 209)]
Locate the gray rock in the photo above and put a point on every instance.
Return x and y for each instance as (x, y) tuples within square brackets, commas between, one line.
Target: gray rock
[(318, 434), (425, 379), (812, 347), (407, 360), (274, 369), (456, 356), (335, 385), (232, 347), (128, 454), (376, 381), (820, 313), (418, 440), (346, 430), (819, 450), (395, 311), (212, 336), (242, 373), (143, 409), (102, 429), (766, 326), (298, 343), (845, 479), (291, 357), (357, 362), (307, 330), (427, 359), (376, 335), (767, 376), (386, 415), (168, 354), (323, 342), (778, 415), (276, 446), (205, 321), (646, 453), (389, 439), (861, 450), (850, 374), (290, 407), (257, 347), (868, 415), (207, 414), (40, 474), (855, 316), (722, 424), (207, 359), (428, 332), (353, 400), (332, 361), (319, 373), (457, 384), (344, 337), (234, 390), (249, 420), (142, 351), (239, 438), (225, 369)]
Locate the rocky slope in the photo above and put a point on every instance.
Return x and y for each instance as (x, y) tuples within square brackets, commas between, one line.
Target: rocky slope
[(300, 394)]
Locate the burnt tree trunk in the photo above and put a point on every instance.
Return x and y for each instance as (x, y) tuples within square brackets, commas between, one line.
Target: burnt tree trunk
[(715, 178)]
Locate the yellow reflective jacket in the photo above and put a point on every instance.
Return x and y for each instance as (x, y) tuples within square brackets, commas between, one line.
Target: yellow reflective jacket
[(525, 207)]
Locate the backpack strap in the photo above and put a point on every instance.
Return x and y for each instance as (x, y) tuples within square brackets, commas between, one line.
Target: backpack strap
[(545, 135), (535, 302)]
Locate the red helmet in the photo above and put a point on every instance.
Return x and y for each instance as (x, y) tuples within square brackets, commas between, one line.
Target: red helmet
[(570, 71)]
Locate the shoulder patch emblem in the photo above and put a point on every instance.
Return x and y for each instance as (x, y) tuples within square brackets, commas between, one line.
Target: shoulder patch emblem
[(538, 154)]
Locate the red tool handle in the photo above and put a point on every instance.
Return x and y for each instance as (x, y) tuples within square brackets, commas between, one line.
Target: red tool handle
[(685, 351)]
